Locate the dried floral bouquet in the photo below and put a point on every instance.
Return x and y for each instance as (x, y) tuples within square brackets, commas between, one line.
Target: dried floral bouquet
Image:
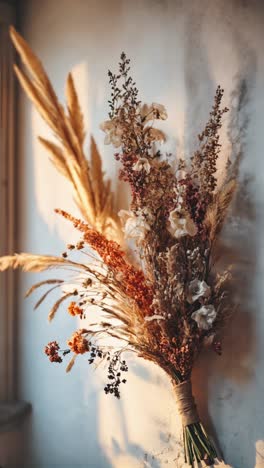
[(175, 303)]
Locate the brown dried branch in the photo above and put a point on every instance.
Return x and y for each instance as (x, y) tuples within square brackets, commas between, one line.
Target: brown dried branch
[(218, 210)]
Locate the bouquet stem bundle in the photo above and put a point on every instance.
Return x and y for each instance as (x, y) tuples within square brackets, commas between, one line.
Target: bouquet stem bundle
[(197, 445)]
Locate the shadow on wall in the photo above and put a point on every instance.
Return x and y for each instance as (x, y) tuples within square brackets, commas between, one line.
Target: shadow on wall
[(224, 378), (147, 426)]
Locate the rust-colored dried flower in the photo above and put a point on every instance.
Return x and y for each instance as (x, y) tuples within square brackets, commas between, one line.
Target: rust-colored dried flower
[(134, 282), (74, 309), (78, 344), (52, 351)]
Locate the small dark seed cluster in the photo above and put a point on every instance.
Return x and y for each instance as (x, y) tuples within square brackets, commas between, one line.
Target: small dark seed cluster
[(95, 352), (116, 367)]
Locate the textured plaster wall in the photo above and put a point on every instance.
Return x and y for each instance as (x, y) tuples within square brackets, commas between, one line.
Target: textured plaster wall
[(180, 51)]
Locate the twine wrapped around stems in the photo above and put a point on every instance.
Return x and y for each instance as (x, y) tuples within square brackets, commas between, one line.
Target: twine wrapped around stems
[(186, 404)]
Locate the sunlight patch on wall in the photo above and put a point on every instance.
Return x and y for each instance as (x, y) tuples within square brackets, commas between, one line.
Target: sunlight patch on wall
[(145, 433)]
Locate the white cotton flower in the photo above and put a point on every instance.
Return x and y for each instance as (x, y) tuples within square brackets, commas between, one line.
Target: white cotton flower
[(134, 227), (142, 164), (153, 111), (180, 224), (197, 289), (124, 215), (205, 317), (113, 132)]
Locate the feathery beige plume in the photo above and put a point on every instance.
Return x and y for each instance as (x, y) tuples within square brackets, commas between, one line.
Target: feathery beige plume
[(97, 175), (74, 109), (92, 193), (36, 263)]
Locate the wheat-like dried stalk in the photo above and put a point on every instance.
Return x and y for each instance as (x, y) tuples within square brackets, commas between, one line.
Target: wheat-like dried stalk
[(124, 310), (92, 193), (37, 263), (44, 296), (57, 305), (71, 363), (43, 283)]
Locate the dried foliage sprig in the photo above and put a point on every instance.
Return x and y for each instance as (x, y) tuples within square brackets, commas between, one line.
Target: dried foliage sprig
[(176, 303), (92, 193)]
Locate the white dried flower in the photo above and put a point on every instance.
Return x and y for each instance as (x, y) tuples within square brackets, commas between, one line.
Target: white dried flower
[(142, 164), (197, 289), (180, 224), (159, 111), (134, 227), (113, 132), (205, 317), (154, 134), (153, 111)]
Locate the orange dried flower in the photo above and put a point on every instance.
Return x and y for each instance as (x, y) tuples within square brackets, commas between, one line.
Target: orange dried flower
[(74, 309), (78, 344)]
